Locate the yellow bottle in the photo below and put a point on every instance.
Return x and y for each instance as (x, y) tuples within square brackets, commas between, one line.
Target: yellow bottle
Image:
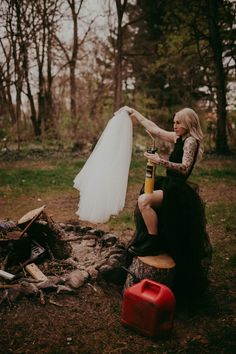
[(150, 174)]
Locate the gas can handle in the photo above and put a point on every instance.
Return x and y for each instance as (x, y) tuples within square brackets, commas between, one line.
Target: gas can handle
[(151, 286)]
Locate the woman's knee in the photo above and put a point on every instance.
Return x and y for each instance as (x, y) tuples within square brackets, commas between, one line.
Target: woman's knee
[(144, 201)]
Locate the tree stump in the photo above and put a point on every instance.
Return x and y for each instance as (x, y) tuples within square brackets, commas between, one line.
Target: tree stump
[(159, 268)]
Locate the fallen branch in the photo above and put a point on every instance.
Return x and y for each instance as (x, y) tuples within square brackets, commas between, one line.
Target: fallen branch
[(9, 286), (55, 303)]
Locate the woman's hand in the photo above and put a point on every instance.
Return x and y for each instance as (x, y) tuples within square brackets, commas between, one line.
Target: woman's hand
[(154, 158), (124, 108), (134, 115)]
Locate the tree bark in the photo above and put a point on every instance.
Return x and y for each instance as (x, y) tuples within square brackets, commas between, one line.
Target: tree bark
[(217, 49), (119, 54), (73, 60), (5, 84), (48, 118), (36, 124)]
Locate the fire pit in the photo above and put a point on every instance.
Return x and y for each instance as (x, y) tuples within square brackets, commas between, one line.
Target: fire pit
[(37, 254)]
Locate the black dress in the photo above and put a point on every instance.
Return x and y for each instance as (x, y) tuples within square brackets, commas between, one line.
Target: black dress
[(181, 228)]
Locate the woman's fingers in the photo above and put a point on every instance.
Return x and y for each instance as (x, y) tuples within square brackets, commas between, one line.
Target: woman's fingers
[(126, 108), (152, 157)]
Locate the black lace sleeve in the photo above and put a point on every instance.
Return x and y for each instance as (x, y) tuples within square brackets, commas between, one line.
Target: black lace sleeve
[(190, 146)]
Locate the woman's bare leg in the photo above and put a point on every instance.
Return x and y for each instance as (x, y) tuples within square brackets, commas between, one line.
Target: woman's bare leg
[(146, 202)]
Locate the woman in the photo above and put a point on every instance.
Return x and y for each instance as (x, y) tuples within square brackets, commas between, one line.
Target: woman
[(172, 218)]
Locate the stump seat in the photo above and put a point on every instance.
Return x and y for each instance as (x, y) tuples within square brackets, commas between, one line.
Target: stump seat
[(162, 261), (160, 268)]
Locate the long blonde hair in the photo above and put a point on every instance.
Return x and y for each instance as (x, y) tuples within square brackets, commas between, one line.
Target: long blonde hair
[(190, 121)]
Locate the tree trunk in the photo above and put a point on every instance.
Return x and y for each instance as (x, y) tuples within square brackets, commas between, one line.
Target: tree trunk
[(118, 70), (5, 88), (217, 48), (73, 61), (119, 55), (48, 119), (158, 268), (35, 122), (18, 116), (73, 90), (41, 97), (6, 101)]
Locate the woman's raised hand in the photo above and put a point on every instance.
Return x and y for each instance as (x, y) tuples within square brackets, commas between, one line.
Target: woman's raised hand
[(126, 108), (132, 113)]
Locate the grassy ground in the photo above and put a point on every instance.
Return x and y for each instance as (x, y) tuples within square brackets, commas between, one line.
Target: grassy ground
[(38, 176), (31, 179)]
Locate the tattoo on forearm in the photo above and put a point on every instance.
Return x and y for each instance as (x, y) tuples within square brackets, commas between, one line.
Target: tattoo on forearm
[(184, 167)]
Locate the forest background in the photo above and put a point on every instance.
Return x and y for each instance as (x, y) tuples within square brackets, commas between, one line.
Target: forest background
[(67, 65)]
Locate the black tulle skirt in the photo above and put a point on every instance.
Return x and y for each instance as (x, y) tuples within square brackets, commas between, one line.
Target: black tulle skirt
[(181, 232)]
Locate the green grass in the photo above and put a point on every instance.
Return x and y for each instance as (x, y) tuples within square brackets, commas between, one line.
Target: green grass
[(16, 181), (125, 220), (55, 173), (224, 173), (222, 214)]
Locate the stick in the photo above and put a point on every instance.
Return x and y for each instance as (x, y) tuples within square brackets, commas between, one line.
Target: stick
[(55, 303), (8, 286), (41, 297), (4, 262)]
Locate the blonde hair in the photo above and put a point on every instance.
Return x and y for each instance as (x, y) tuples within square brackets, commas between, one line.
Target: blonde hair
[(190, 121)]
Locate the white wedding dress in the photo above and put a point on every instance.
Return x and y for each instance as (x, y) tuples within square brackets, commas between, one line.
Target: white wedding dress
[(103, 180)]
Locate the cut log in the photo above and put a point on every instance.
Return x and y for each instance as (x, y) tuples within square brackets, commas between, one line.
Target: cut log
[(31, 215), (30, 218), (159, 268), (36, 273), (162, 261)]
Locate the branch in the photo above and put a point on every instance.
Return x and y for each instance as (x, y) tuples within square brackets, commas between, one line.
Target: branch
[(63, 49), (134, 21), (86, 33)]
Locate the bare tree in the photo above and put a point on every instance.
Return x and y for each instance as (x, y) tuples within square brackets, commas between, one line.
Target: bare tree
[(16, 40), (29, 29), (45, 17), (6, 82), (71, 53)]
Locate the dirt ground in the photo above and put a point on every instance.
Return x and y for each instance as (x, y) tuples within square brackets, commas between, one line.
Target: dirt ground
[(89, 321)]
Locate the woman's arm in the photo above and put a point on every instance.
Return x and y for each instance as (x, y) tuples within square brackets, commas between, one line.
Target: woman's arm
[(184, 167), (151, 126)]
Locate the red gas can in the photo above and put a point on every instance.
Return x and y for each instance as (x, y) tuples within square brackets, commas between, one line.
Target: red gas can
[(149, 307)]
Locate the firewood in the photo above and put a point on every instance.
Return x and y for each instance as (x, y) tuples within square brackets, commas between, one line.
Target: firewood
[(31, 215), (36, 273)]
